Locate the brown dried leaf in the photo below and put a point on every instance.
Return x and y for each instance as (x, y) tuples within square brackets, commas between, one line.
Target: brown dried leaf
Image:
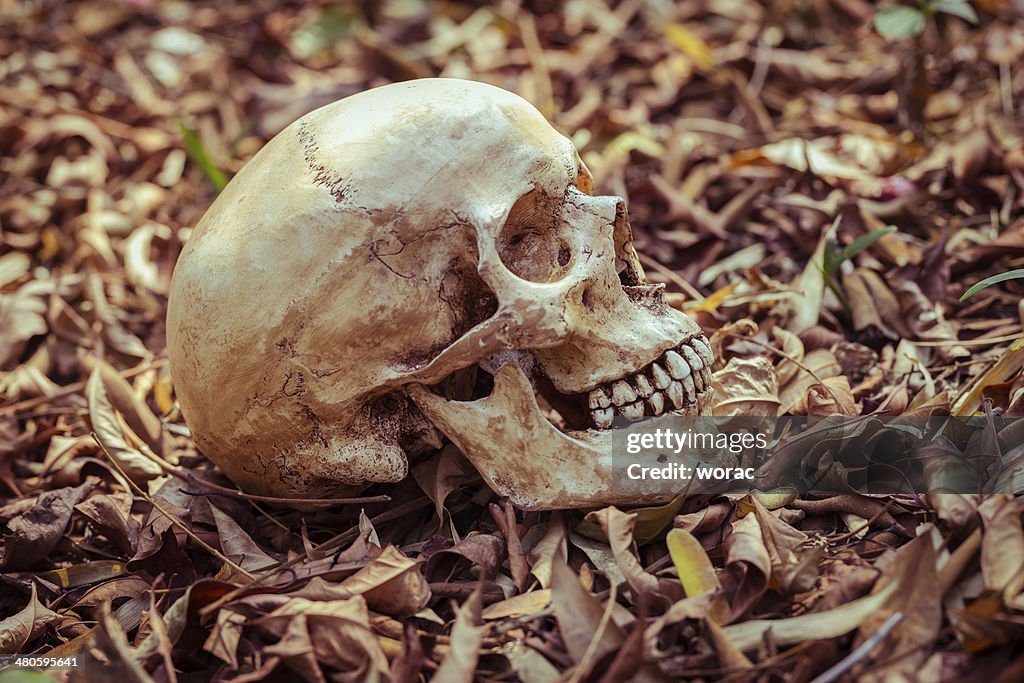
[(237, 545), (107, 425), (459, 664), (1002, 546), (746, 386), (794, 559), (20, 629), (748, 559), (32, 534), (618, 528), (22, 316)]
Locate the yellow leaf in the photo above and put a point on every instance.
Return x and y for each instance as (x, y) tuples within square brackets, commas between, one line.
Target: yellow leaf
[(1006, 367), (711, 304), (690, 44), (696, 572)]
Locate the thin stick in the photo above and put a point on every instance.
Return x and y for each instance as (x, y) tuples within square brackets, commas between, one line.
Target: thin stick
[(174, 520), (966, 342), (673, 276), (867, 524), (861, 653)]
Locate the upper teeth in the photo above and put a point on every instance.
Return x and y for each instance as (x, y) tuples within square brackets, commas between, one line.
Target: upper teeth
[(688, 375)]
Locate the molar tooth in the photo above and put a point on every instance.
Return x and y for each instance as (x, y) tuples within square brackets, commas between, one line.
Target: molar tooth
[(676, 395), (603, 417), (598, 399), (622, 393), (661, 378), (633, 410), (703, 349), (707, 377), (643, 385), (657, 402), (676, 365)]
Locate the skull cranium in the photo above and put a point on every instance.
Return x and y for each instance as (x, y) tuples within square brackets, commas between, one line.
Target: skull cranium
[(424, 249)]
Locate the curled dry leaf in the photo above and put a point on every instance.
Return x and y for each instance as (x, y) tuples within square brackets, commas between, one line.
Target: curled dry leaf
[(22, 316), (551, 548), (746, 386), (106, 424), (1002, 546), (748, 559), (794, 558), (823, 364), (391, 584), (20, 629), (460, 662), (34, 532), (618, 528)]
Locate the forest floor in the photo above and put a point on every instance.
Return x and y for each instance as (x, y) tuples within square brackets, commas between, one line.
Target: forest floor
[(764, 149)]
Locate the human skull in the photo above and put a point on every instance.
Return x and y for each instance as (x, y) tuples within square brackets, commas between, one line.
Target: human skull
[(422, 255)]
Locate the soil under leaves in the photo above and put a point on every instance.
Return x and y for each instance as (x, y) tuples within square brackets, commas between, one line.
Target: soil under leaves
[(753, 141)]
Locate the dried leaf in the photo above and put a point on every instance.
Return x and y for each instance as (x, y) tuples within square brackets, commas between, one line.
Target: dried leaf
[(832, 623), (22, 316), (746, 386), (696, 572), (20, 629), (618, 528), (108, 428), (460, 663), (32, 534)]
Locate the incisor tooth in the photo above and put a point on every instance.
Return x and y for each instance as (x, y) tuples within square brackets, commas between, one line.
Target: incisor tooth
[(643, 385), (676, 365), (598, 399), (657, 402), (675, 394), (633, 410), (703, 349), (661, 378), (622, 393), (603, 417)]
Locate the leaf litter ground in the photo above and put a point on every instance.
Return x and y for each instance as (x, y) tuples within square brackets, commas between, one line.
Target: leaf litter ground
[(764, 150)]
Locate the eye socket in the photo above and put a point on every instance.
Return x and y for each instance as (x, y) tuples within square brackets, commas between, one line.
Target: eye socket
[(530, 244)]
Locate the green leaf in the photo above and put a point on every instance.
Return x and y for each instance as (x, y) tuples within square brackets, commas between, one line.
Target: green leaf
[(897, 23), (201, 158), (331, 26), (863, 242), (994, 280), (958, 8), (25, 676)]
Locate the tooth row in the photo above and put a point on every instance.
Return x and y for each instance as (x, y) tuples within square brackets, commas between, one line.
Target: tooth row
[(672, 382)]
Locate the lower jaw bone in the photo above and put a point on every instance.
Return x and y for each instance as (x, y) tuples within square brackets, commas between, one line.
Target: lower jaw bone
[(523, 456)]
